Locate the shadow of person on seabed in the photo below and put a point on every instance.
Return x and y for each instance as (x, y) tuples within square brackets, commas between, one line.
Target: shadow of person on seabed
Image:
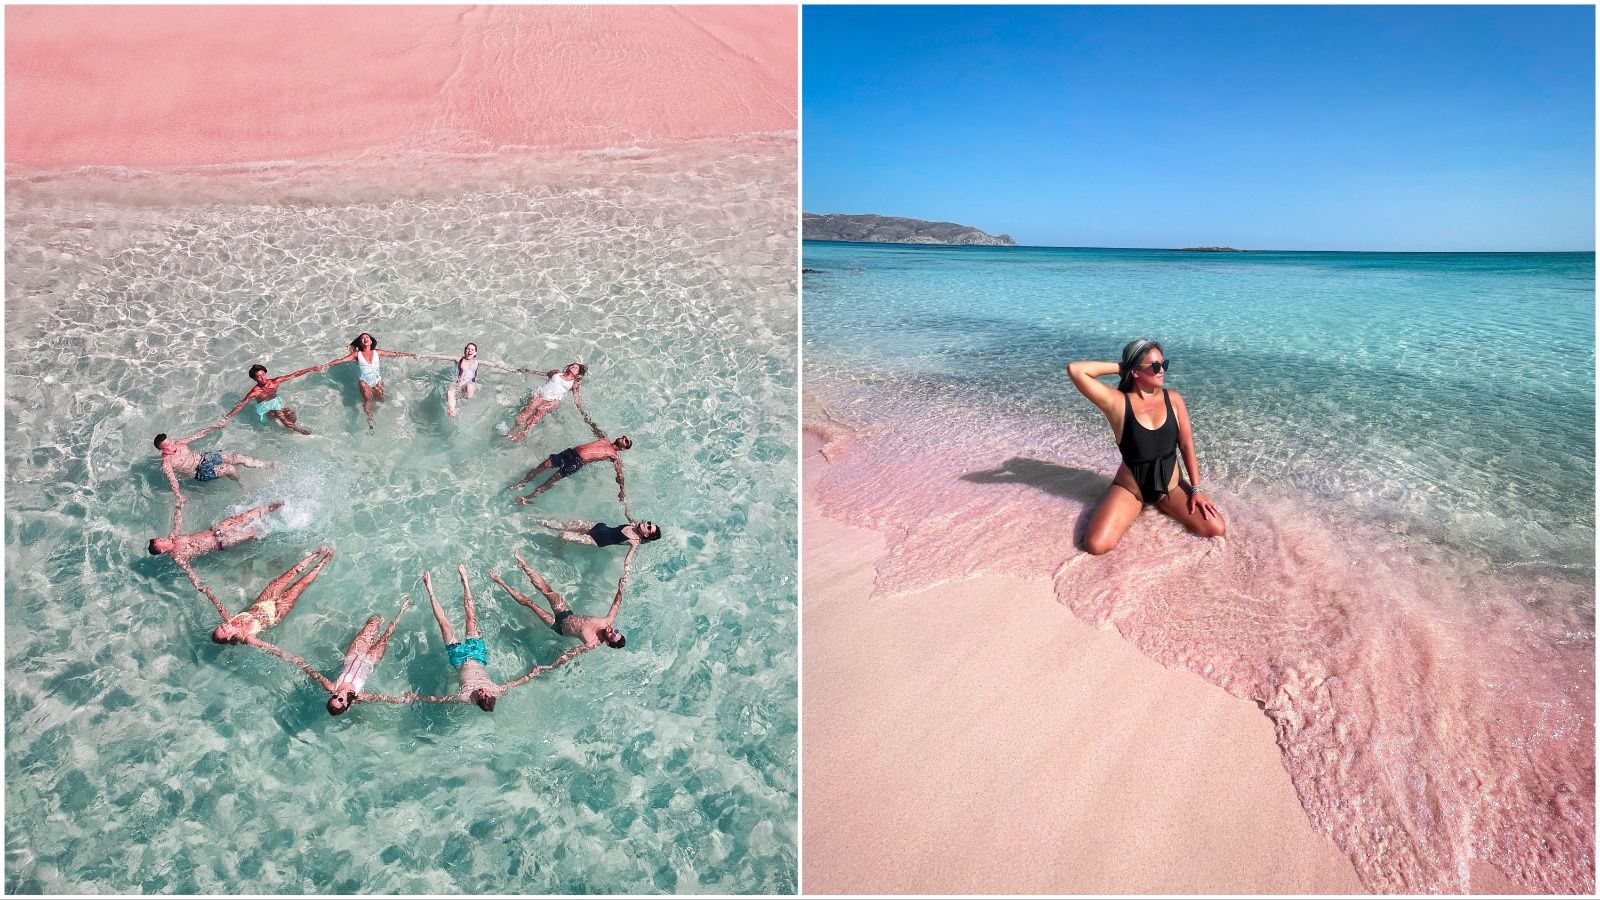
[(1085, 485)]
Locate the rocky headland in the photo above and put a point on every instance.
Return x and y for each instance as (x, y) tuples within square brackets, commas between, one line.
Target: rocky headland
[(895, 230)]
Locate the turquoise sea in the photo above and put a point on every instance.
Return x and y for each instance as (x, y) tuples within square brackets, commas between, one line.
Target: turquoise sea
[(143, 758), (1403, 445)]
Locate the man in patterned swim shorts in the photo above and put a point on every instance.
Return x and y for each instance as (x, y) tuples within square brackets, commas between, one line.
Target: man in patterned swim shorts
[(176, 457)]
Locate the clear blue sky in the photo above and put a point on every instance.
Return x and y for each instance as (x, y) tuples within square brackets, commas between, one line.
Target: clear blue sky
[(1324, 128)]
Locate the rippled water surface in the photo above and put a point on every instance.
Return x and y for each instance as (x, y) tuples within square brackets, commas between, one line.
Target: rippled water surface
[(143, 758), (1403, 445)]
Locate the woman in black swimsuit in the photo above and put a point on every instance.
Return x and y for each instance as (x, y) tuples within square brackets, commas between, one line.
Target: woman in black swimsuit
[(1149, 471), (602, 535)]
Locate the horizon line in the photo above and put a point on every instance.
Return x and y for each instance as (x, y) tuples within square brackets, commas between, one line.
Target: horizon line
[(1165, 249)]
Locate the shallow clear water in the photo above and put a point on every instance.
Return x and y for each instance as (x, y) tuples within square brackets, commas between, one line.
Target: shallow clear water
[(1403, 446), (142, 757)]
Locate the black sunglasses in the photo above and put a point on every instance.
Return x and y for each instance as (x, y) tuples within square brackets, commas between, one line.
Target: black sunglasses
[(1156, 367)]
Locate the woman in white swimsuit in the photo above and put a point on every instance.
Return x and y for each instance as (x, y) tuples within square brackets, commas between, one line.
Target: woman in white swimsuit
[(364, 350), (361, 659), (466, 380), (562, 382)]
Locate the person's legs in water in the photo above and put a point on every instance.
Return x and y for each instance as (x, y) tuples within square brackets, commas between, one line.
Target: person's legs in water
[(1176, 505), (293, 592), (1118, 509), (532, 473)]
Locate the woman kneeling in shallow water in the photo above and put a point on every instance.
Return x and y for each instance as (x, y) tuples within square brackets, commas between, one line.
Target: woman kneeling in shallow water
[(1149, 470)]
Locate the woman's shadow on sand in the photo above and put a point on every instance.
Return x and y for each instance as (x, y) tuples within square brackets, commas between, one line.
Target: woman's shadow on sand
[(1084, 485)]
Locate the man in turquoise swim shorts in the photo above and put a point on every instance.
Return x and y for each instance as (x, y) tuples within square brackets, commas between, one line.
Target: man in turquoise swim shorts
[(469, 656), (268, 404)]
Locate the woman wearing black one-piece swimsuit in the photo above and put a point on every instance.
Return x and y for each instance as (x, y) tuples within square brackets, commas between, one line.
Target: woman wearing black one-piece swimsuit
[(1149, 471)]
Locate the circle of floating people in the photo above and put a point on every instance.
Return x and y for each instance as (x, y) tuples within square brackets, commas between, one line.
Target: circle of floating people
[(466, 653)]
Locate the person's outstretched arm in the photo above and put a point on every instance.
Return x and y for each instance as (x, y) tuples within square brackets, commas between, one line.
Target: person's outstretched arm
[(220, 423), (172, 482), (200, 586), (571, 654), (406, 698), (285, 655), (299, 372), (594, 426), (248, 395), (622, 584)]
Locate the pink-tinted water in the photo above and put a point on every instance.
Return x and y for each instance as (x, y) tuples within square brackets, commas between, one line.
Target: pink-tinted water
[(1431, 712)]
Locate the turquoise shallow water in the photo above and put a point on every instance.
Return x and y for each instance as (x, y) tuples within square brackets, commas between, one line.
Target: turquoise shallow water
[(1451, 393), (1402, 446), (143, 758)]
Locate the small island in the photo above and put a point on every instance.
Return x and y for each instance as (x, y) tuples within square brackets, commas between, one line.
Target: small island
[(1209, 250), (895, 230)]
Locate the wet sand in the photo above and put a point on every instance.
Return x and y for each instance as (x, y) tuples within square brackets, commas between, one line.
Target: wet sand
[(176, 86), (986, 741)]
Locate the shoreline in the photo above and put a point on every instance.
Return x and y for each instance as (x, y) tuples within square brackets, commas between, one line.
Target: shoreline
[(1144, 779)]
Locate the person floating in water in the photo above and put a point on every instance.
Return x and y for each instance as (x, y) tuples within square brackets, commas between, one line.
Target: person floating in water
[(589, 631), (364, 350), (466, 380), (470, 656), (362, 657), (176, 457), (571, 460), (227, 533), (547, 397), (268, 404), (1149, 470), (275, 602), (599, 534)]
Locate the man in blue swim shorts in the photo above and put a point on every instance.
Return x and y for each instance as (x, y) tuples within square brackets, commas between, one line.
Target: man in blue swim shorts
[(176, 458)]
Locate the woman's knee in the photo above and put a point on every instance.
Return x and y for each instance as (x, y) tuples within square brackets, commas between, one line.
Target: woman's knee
[(1098, 544), (1212, 527)]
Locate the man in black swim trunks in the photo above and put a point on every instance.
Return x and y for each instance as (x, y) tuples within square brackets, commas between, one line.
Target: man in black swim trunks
[(571, 460), (592, 631)]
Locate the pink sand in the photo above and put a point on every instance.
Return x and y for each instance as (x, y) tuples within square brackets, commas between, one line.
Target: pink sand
[(172, 86), (958, 758)]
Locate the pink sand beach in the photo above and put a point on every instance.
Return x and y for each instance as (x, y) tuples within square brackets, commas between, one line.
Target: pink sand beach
[(171, 86), (1022, 750)]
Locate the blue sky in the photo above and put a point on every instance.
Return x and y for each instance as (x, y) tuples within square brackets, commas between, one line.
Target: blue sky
[(1310, 128)]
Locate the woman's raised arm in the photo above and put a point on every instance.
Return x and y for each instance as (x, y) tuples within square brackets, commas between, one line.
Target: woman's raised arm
[(1086, 375)]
